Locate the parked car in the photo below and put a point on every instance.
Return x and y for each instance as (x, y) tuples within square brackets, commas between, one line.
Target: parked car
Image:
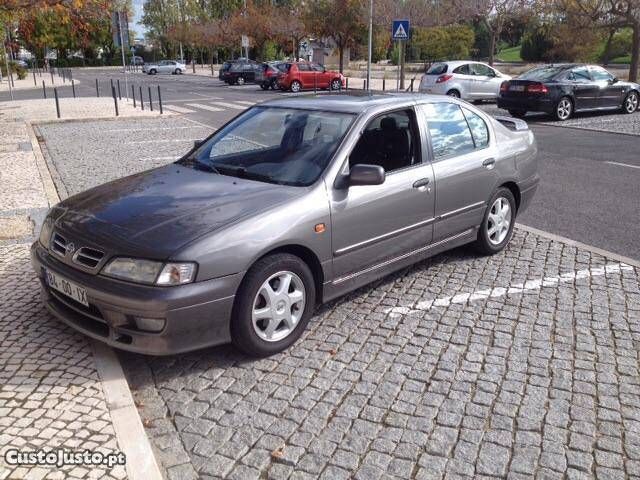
[(293, 203), (463, 79), (297, 76), (243, 72), (136, 60), (267, 77), (561, 90), (225, 71), (21, 63), (173, 67)]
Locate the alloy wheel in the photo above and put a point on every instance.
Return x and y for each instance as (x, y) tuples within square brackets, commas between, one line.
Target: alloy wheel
[(631, 102), (295, 86), (335, 85), (499, 221), (278, 306), (564, 108), (240, 81)]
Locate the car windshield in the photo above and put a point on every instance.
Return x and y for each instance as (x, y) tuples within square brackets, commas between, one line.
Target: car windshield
[(276, 145), (437, 69), (542, 74)]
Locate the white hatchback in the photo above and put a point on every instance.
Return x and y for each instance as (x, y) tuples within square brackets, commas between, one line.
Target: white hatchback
[(164, 66), (463, 79)]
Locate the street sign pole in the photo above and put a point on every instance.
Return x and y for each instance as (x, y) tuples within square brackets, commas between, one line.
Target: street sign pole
[(124, 62), (6, 63), (400, 32)]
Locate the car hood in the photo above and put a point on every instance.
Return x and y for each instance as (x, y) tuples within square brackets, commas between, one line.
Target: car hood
[(154, 213)]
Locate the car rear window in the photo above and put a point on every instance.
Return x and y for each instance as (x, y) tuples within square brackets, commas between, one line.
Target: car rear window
[(542, 74), (437, 69)]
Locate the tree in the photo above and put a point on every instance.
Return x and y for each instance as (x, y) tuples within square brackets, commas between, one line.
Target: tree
[(289, 26), (340, 20)]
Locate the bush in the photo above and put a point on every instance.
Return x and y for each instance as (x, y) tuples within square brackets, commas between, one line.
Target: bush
[(18, 70), (438, 43), (536, 44)]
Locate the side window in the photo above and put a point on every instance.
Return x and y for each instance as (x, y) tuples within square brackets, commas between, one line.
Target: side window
[(480, 70), (462, 69), (600, 74), (479, 130), (316, 67), (389, 141), (580, 74), (448, 129), (303, 67)]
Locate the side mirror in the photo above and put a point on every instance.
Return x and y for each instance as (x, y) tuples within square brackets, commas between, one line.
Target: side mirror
[(613, 80), (363, 174), (197, 143)]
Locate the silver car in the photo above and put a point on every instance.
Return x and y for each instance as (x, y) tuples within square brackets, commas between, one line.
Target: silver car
[(164, 66), (463, 79), (293, 203)]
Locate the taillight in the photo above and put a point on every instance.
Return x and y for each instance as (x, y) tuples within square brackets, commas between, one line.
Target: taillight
[(444, 78), (537, 88), (504, 87)]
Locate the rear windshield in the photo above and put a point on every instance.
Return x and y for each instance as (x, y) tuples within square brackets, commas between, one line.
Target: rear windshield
[(542, 74), (285, 67), (437, 69)]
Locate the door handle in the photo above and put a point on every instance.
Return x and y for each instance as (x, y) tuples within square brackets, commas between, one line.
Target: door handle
[(489, 163), (423, 182)]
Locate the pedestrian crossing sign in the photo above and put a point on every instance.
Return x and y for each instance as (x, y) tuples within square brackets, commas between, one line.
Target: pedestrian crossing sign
[(400, 29)]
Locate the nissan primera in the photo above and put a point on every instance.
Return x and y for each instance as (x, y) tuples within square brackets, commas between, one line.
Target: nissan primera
[(292, 203)]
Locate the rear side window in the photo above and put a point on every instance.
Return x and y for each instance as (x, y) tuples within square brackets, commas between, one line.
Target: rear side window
[(542, 74), (303, 67), (437, 69), (479, 130), (448, 129)]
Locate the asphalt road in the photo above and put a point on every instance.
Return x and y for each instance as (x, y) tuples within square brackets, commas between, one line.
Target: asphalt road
[(589, 189)]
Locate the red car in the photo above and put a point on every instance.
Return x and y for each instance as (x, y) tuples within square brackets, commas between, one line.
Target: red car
[(297, 76)]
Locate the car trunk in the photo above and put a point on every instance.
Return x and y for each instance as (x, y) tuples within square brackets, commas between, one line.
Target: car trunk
[(522, 88)]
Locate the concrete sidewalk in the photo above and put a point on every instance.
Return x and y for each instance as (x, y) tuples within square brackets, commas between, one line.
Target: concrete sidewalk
[(57, 389)]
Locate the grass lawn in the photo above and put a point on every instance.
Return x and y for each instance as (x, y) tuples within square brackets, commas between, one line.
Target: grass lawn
[(510, 54), (623, 59)]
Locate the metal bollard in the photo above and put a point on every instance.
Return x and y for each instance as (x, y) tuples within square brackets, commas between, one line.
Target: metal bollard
[(346, 84), (412, 84), (51, 71), (115, 100), (212, 69), (64, 76), (70, 75), (141, 99), (73, 88), (119, 95), (35, 83), (133, 95), (159, 99), (44, 89), (384, 81), (97, 89), (150, 100), (55, 94)]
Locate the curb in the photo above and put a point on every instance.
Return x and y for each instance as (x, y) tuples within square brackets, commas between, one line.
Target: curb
[(584, 246), (130, 434)]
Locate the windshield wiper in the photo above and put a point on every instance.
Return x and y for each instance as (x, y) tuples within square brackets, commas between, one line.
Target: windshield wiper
[(242, 172), (199, 164)]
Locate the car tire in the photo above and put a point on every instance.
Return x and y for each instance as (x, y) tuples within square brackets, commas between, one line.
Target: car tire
[(518, 113), (631, 101), (494, 235), (564, 109), (178, 71), (454, 93), (264, 86), (153, 71), (249, 335), (296, 86), (240, 81), (335, 84)]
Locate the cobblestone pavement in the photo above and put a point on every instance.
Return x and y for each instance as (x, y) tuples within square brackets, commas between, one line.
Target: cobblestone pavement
[(520, 365), (50, 393)]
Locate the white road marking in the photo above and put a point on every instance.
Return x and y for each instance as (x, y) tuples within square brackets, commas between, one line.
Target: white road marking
[(230, 105), (529, 285), (206, 96), (245, 102), (205, 107), (623, 164), (175, 108), (143, 129), (183, 140)]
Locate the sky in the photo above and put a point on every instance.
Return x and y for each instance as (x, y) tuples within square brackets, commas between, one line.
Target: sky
[(137, 15)]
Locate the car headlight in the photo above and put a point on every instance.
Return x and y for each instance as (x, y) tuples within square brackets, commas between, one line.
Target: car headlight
[(150, 272), (45, 231)]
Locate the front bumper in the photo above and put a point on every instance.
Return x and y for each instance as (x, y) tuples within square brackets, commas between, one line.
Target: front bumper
[(529, 104), (196, 315)]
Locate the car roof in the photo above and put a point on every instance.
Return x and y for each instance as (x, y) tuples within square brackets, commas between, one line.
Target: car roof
[(351, 102), (456, 63)]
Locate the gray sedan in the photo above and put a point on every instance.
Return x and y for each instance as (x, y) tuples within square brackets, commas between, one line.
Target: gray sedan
[(292, 203)]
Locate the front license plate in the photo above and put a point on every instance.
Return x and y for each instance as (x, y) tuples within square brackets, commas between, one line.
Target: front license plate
[(517, 88), (66, 287)]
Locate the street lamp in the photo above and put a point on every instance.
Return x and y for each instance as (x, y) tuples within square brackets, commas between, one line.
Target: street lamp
[(370, 44)]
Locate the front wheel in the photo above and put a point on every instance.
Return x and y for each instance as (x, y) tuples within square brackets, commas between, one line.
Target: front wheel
[(296, 86), (497, 225), (564, 109), (264, 86), (240, 81), (631, 101), (178, 71), (153, 71), (336, 84), (273, 305)]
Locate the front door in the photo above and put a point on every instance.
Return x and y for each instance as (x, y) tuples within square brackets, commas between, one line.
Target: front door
[(483, 81), (464, 167), (373, 224), (585, 90), (610, 92)]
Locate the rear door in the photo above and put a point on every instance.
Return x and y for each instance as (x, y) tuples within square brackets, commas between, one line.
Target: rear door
[(321, 77), (585, 90), (463, 158), (610, 92)]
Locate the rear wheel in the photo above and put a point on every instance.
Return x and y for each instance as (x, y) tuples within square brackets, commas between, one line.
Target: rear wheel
[(264, 86), (564, 109), (497, 225), (631, 101), (335, 84), (273, 305), (240, 81), (178, 71), (296, 86), (517, 113), (454, 93), (153, 71)]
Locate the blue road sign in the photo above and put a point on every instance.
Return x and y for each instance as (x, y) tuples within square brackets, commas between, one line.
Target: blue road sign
[(400, 30)]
